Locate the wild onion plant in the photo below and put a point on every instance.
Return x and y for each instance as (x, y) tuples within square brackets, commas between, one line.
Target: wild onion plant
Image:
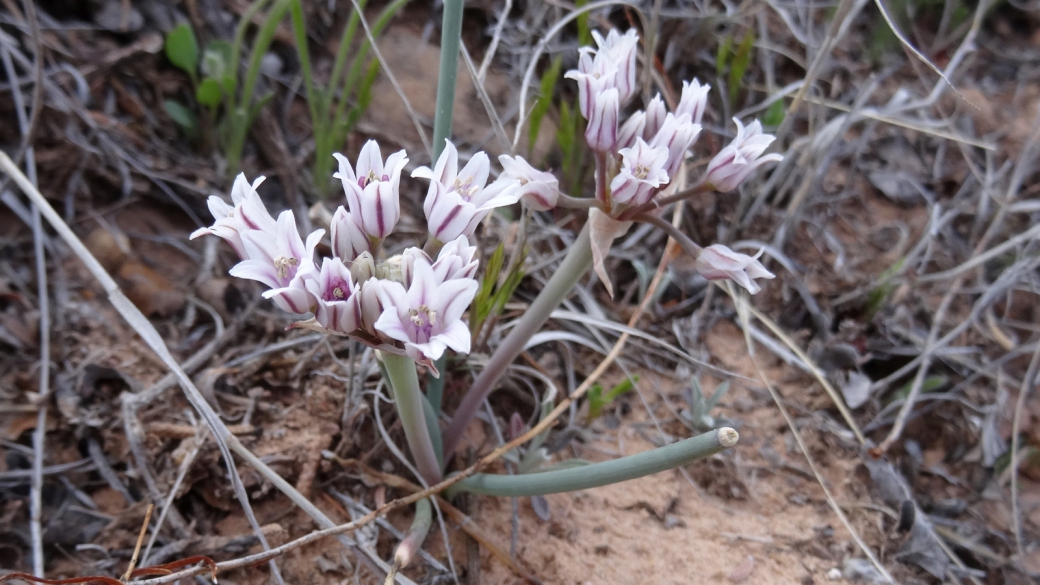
[(409, 306)]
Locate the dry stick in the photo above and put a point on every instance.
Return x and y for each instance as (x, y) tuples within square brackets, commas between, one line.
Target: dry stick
[(846, 13), (29, 130), (1016, 425), (200, 440), (39, 436), (140, 540), (742, 306), (670, 249), (393, 80), (464, 521), (1013, 187), (489, 54), (151, 336), (926, 360)]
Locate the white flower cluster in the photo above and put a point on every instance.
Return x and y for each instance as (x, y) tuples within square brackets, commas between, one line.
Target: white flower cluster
[(644, 153), (410, 304)]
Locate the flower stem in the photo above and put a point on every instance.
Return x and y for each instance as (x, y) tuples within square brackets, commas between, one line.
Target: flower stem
[(688, 245), (405, 383), (571, 270), (451, 33), (600, 474), (412, 541)]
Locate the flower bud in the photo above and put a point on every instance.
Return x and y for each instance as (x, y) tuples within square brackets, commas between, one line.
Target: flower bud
[(363, 268), (728, 169), (602, 130), (655, 115), (677, 134), (539, 189), (717, 262), (348, 240), (632, 128), (694, 100)]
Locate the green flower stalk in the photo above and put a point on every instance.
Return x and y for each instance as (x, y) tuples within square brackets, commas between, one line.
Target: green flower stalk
[(413, 541), (451, 39), (571, 270), (600, 474), (407, 397)]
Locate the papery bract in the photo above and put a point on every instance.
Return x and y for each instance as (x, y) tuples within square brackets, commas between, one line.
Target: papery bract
[(426, 317), (348, 239), (717, 262), (335, 296), (603, 230), (373, 191), (734, 163), (642, 173), (539, 189)]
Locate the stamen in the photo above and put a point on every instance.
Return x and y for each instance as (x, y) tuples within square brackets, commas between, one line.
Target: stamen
[(282, 265)]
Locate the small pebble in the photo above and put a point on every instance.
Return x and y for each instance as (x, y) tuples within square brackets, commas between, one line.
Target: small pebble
[(834, 574)]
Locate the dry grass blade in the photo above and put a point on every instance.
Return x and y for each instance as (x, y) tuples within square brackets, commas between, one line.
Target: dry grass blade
[(147, 331), (910, 47), (393, 80), (1028, 382), (743, 305), (27, 125), (814, 369), (485, 99), (140, 541)]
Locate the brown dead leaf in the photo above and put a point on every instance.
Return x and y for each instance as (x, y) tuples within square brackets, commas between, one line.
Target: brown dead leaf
[(149, 290)]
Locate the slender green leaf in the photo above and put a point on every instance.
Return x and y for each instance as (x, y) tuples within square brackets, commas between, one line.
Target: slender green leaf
[(541, 106), (741, 61), (722, 57), (774, 114), (584, 32), (598, 399)]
